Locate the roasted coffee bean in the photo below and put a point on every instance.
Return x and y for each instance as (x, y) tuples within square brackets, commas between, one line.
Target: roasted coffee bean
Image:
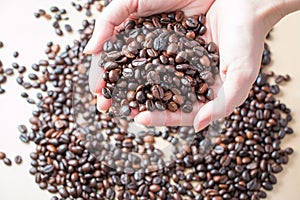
[(140, 97), (106, 93), (150, 105), (68, 28), (2, 79), (22, 129), (2, 155), (191, 22), (125, 110), (157, 92), (153, 77), (9, 71), (7, 161), (16, 54), (172, 106), (18, 160), (114, 76)]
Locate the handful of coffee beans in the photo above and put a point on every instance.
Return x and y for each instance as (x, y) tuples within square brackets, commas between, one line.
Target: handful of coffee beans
[(159, 62)]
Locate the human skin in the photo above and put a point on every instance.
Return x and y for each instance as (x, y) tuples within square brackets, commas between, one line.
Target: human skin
[(238, 27)]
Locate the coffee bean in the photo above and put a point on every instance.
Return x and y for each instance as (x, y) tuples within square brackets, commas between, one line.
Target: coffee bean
[(106, 93), (191, 22), (153, 77), (125, 110), (18, 160), (172, 106), (150, 105), (68, 28), (114, 76), (139, 62), (2, 79), (9, 71), (15, 54), (140, 97), (154, 188), (178, 99), (7, 161), (22, 129), (157, 92), (187, 108), (2, 155), (160, 106)]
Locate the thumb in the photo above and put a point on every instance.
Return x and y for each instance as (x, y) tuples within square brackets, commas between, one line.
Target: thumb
[(234, 90)]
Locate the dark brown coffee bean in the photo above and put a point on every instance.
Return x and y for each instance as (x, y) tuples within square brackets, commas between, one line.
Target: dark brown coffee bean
[(159, 44), (210, 94), (140, 97), (181, 57), (18, 160), (9, 71), (125, 110), (150, 106), (2, 79), (153, 77), (2, 155), (178, 99), (110, 66), (15, 54), (114, 76), (179, 16), (160, 105), (139, 62), (172, 49), (187, 108), (106, 93), (7, 161), (172, 106), (157, 92), (191, 22)]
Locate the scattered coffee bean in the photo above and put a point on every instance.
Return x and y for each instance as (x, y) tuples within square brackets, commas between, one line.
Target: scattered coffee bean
[(16, 54), (2, 155), (18, 160), (7, 161)]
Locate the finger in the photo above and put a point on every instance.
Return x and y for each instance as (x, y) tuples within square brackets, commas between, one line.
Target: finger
[(233, 92), (113, 15), (96, 82), (133, 113), (168, 118), (103, 104)]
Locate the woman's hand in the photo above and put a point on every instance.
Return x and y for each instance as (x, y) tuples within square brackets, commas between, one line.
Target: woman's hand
[(238, 27)]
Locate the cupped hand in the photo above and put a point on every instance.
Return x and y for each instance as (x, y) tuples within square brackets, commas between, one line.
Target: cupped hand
[(238, 27)]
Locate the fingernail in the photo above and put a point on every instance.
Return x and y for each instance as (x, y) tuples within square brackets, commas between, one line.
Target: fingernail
[(102, 111), (201, 125), (88, 48)]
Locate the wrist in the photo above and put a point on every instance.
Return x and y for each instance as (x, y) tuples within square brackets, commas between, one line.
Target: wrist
[(271, 12)]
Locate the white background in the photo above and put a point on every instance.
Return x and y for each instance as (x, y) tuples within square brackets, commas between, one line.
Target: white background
[(21, 31)]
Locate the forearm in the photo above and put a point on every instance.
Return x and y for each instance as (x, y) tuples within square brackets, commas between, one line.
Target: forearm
[(291, 5)]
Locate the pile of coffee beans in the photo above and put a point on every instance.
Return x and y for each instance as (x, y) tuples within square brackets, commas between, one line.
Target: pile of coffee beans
[(159, 62), (73, 161)]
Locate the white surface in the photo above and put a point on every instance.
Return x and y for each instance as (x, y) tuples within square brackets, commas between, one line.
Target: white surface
[(21, 31)]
